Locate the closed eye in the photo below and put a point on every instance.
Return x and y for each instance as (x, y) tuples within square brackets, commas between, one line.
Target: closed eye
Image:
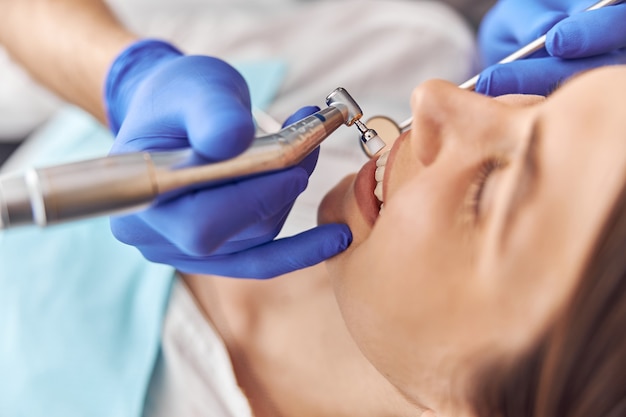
[(477, 187)]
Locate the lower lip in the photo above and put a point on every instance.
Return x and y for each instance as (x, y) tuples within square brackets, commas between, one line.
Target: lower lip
[(364, 185)]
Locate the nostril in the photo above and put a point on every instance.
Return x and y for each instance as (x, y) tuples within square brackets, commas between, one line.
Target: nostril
[(427, 145), (441, 111), (429, 108)]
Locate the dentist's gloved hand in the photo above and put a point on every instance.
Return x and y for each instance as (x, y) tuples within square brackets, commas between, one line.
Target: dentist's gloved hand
[(159, 99), (575, 42)]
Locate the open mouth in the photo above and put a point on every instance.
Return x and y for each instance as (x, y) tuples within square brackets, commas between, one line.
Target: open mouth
[(379, 175)]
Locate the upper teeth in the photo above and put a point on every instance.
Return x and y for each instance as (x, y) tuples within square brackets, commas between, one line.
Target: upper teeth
[(381, 162)]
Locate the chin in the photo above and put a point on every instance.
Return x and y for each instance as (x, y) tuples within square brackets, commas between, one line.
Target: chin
[(340, 205)]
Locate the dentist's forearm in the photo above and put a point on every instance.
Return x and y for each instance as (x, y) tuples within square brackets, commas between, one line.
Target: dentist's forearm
[(66, 45)]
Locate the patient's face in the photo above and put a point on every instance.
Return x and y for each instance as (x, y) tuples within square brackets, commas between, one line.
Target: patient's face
[(490, 210)]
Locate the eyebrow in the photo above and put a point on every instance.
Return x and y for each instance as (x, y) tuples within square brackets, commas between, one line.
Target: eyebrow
[(525, 180), (562, 83)]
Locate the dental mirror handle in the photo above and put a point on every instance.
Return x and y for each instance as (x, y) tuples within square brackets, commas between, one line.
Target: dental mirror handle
[(521, 53), (131, 181)]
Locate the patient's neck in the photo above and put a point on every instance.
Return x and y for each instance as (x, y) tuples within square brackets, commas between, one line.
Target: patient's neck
[(290, 349)]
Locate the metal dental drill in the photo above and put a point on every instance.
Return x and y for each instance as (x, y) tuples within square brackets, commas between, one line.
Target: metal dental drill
[(369, 138), (132, 181)]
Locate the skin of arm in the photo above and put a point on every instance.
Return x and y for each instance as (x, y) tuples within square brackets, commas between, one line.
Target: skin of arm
[(66, 45)]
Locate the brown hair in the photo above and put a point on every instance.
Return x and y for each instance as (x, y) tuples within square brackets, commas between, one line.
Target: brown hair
[(578, 367)]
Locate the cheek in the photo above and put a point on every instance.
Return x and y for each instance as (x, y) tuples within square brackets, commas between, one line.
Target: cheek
[(340, 206), (331, 209), (393, 286)]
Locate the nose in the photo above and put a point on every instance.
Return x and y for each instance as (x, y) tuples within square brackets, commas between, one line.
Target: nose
[(443, 113)]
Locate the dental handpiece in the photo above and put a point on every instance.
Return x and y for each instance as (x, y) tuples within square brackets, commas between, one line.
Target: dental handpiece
[(132, 181), (521, 53)]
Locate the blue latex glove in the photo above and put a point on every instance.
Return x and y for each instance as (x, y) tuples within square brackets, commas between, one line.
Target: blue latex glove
[(159, 99), (575, 42)]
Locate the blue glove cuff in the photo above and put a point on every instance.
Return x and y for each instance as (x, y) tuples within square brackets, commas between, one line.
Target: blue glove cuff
[(124, 73)]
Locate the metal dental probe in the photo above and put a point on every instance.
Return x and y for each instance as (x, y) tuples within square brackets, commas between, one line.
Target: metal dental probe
[(522, 53), (132, 181)]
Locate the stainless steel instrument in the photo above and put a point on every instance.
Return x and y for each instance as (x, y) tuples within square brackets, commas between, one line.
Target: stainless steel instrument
[(132, 181)]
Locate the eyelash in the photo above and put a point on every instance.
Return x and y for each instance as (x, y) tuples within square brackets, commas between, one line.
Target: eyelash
[(487, 167), (554, 87)]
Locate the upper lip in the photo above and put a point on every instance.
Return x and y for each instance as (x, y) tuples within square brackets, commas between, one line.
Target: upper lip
[(364, 192), (392, 155)]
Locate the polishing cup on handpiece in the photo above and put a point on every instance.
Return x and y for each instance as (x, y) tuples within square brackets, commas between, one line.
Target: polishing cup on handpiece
[(371, 142)]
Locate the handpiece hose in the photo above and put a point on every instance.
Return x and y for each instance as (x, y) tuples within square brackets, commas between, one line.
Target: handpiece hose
[(132, 181)]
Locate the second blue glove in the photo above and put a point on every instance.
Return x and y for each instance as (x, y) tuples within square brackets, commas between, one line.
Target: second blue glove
[(575, 42)]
